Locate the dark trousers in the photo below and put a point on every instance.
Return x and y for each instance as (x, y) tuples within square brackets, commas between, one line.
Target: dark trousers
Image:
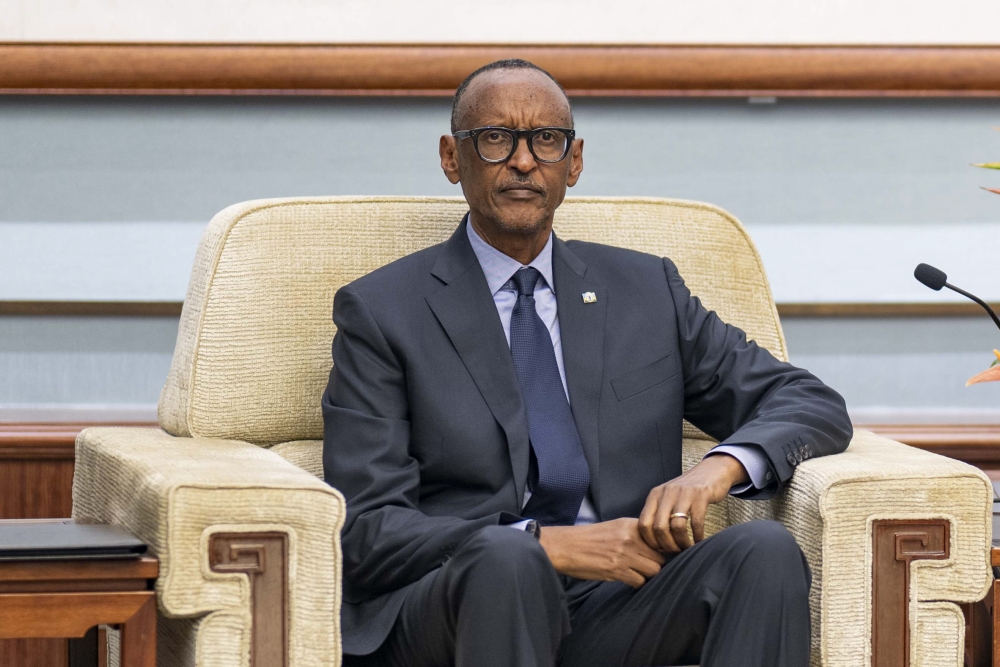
[(739, 598)]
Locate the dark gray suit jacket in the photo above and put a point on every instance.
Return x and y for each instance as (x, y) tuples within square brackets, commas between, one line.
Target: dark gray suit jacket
[(426, 432)]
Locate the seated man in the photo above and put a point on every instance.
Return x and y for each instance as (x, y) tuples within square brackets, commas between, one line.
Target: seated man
[(504, 418)]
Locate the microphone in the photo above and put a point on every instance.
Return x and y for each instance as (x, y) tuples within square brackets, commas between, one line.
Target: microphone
[(936, 279)]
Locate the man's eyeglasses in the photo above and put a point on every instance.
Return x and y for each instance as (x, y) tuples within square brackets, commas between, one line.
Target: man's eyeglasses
[(497, 144)]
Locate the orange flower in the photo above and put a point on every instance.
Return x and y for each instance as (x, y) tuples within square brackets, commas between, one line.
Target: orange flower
[(992, 374)]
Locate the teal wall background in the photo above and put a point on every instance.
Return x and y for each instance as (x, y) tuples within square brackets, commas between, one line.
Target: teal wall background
[(104, 198)]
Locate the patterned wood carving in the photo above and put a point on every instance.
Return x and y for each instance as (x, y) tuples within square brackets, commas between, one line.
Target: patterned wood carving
[(263, 558), (895, 545)]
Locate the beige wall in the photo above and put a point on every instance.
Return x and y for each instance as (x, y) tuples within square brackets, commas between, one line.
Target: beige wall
[(580, 21)]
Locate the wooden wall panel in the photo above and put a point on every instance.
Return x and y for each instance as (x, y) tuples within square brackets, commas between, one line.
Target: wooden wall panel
[(36, 482), (36, 489), (36, 470), (429, 69)]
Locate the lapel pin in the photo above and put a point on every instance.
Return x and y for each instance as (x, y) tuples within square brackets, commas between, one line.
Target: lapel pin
[(589, 297)]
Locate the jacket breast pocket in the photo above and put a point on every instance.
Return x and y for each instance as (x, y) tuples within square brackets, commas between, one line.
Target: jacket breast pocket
[(645, 378)]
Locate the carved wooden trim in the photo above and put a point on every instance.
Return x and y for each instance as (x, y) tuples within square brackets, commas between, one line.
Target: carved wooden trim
[(920, 309), (91, 308), (436, 69), (895, 545), (263, 558), (173, 309)]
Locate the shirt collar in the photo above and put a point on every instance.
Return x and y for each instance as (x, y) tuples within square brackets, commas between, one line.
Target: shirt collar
[(499, 267)]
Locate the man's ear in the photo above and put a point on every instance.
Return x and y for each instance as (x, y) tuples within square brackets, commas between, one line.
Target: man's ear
[(448, 149), (575, 162)]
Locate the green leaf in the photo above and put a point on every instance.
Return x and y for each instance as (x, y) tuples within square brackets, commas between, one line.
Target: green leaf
[(988, 165)]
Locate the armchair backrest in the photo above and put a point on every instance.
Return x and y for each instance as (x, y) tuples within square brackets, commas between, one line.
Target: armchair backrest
[(253, 349)]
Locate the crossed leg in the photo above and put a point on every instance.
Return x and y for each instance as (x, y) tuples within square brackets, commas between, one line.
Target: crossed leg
[(739, 598)]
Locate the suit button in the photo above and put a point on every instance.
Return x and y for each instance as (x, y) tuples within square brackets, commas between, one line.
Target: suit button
[(790, 458), (769, 476)]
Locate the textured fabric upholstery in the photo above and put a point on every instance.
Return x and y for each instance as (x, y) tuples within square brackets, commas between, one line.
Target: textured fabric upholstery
[(253, 357), (829, 507), (253, 350), (174, 493)]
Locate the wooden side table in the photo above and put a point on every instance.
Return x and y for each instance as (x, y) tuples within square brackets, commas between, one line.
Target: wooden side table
[(982, 619), (66, 598)]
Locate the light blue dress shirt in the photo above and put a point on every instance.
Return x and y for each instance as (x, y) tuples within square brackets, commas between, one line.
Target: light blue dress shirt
[(499, 269)]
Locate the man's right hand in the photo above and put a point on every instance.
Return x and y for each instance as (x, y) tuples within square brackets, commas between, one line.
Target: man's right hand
[(607, 551)]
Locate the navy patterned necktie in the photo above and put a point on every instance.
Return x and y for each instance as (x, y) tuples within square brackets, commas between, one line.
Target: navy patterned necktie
[(561, 476)]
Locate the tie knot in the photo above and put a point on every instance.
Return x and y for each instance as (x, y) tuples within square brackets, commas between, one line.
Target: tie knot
[(525, 280)]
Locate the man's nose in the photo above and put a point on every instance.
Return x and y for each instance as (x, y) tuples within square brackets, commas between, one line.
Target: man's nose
[(522, 159)]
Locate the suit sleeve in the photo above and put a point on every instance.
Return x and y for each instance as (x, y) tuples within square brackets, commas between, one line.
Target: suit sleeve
[(738, 393), (387, 541)]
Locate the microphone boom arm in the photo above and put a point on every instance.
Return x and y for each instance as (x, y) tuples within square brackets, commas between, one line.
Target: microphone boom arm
[(996, 320)]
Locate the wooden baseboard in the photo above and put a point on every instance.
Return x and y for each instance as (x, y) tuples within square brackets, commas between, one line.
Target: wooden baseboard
[(26, 308), (882, 310), (786, 310)]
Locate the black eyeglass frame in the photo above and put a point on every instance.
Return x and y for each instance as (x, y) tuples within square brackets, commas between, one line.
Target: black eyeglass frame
[(528, 134)]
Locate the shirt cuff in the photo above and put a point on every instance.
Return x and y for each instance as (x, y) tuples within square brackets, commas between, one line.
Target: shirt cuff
[(520, 525), (763, 484)]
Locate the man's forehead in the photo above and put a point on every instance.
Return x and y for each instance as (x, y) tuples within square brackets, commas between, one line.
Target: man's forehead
[(498, 94)]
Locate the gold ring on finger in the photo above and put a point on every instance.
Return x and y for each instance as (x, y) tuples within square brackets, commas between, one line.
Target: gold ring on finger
[(679, 515)]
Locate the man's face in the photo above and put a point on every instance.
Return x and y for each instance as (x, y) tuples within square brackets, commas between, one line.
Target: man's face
[(518, 196)]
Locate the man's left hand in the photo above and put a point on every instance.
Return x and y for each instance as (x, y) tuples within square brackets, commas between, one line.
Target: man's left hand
[(706, 483)]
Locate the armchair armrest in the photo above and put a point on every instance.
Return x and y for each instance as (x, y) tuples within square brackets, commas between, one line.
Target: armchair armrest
[(249, 545), (888, 525)]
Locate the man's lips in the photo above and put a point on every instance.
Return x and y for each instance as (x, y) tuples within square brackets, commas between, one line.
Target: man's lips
[(521, 188)]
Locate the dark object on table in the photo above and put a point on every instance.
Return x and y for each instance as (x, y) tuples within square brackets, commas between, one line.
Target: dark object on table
[(65, 540)]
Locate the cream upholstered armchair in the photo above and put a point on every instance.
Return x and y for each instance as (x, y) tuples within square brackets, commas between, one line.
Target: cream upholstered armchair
[(229, 493)]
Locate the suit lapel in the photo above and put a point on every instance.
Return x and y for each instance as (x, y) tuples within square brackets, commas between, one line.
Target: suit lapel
[(465, 309), (581, 327)]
